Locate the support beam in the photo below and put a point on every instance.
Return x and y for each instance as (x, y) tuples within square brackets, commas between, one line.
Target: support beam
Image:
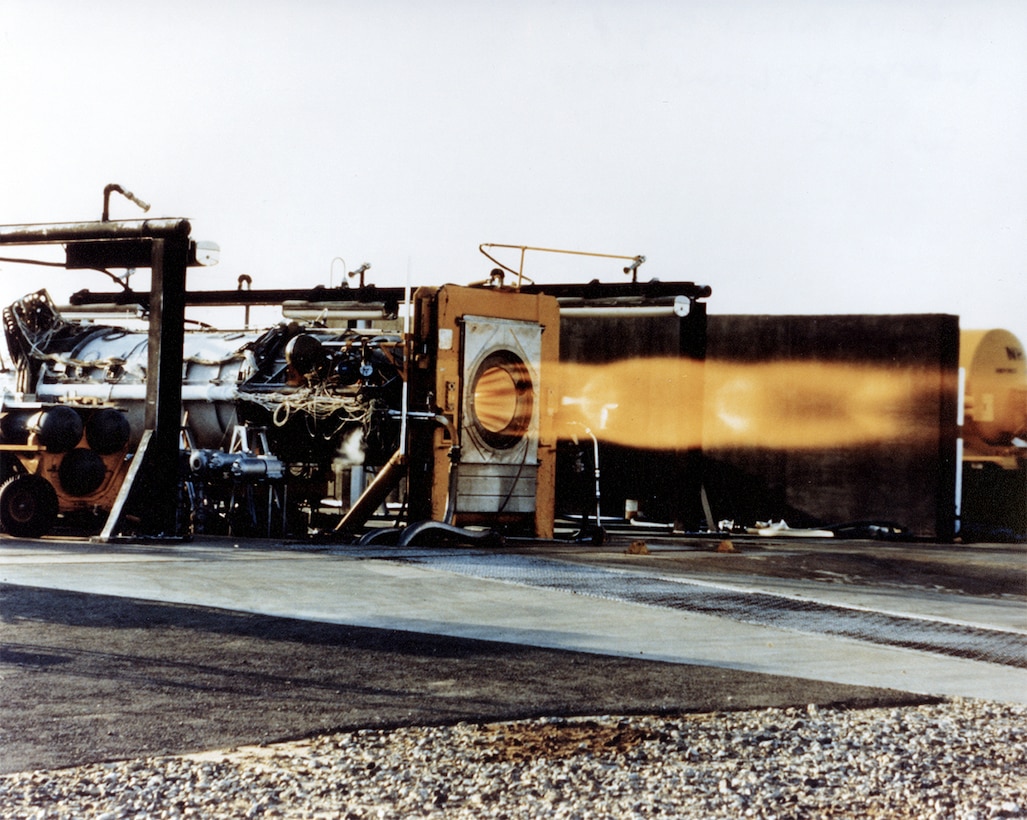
[(164, 378)]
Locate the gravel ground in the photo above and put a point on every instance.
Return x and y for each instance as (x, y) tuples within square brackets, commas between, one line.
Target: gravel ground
[(960, 759)]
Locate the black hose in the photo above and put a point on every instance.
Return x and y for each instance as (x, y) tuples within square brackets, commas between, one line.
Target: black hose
[(432, 533)]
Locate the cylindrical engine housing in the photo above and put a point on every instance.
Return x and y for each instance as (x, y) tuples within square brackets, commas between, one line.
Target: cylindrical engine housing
[(110, 366)]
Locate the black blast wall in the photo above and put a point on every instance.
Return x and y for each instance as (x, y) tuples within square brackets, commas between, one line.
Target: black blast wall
[(907, 482), (665, 483)]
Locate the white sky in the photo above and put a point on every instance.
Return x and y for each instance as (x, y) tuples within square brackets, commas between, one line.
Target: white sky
[(799, 156)]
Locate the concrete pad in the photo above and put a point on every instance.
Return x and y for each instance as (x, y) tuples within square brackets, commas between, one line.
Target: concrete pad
[(384, 589)]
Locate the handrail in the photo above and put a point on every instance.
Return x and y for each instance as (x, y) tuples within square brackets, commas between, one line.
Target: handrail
[(632, 268)]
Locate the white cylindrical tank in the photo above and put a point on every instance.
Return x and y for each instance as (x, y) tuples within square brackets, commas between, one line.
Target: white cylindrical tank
[(995, 397)]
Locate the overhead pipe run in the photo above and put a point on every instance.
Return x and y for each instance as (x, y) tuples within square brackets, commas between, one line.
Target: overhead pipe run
[(680, 307), (57, 233), (388, 300), (309, 312)]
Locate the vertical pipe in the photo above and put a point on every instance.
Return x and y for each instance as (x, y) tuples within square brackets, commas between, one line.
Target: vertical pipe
[(691, 503), (357, 473), (595, 463), (949, 469), (960, 421), (405, 399)]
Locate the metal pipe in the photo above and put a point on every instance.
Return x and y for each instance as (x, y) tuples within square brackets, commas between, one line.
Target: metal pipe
[(74, 313), (114, 187), (569, 295), (595, 445), (328, 312), (136, 392), (595, 461), (405, 398), (681, 307), (360, 272), (633, 312), (331, 271), (454, 454), (451, 487), (247, 280), (57, 232)]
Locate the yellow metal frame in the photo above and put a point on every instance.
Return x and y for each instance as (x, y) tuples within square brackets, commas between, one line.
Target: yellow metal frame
[(439, 314), (37, 460)]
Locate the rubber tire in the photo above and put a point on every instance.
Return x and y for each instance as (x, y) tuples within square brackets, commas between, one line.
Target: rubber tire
[(28, 506)]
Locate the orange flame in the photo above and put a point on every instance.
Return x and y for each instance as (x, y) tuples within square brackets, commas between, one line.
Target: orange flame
[(669, 403), (495, 399)]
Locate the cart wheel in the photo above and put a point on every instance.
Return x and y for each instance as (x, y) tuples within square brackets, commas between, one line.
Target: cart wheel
[(28, 506)]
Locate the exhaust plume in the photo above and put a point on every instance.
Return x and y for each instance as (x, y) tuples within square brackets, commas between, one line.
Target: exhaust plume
[(671, 403)]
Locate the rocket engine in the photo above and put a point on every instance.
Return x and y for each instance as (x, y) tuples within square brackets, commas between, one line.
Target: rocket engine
[(277, 426)]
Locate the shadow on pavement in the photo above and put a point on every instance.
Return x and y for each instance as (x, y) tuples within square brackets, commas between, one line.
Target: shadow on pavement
[(89, 678)]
